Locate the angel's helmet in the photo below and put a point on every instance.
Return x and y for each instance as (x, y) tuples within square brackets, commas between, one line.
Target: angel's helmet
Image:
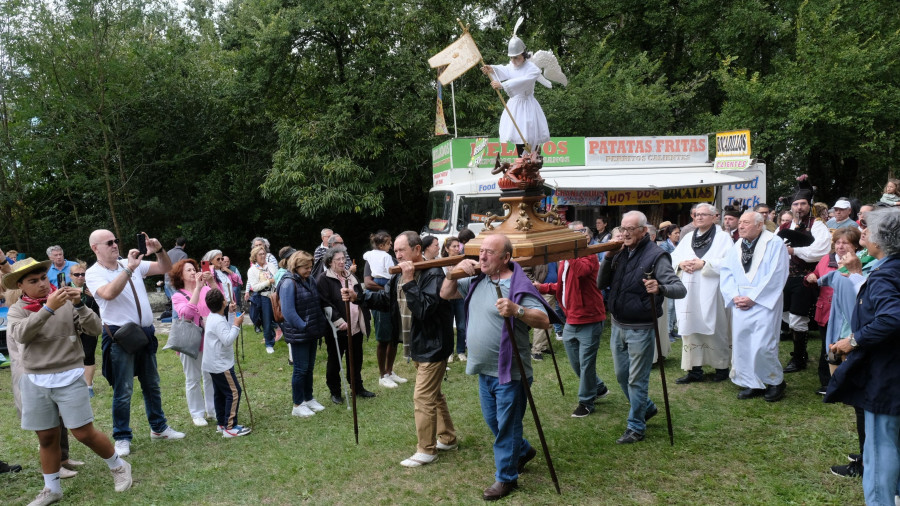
[(516, 45)]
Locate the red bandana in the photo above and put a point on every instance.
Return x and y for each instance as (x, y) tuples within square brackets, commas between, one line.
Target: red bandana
[(35, 305)]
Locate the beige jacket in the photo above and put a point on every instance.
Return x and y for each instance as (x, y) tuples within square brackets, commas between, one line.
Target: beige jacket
[(50, 343)]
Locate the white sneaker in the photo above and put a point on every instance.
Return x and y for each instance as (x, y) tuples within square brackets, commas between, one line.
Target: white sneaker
[(270, 350), (387, 382), (418, 459), (46, 497), (200, 422), (236, 431), (314, 405), (461, 357), (450, 359), (397, 379), (122, 477), (302, 411), (169, 433), (65, 474), (219, 428), (123, 447), (443, 447)]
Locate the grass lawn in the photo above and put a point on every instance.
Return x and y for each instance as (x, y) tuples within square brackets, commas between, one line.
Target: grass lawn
[(726, 451)]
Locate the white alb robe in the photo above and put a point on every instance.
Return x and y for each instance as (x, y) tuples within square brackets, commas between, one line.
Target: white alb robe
[(703, 321), (518, 82), (755, 362)]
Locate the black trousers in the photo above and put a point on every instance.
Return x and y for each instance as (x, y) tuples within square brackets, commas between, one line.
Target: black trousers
[(333, 367)]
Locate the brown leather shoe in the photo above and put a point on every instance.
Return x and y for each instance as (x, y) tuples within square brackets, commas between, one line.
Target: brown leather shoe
[(499, 490)]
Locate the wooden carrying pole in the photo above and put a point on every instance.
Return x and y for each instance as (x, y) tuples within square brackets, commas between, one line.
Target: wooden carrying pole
[(524, 261), (500, 96)]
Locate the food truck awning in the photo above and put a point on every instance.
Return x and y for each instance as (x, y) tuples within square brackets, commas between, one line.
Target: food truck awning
[(628, 178)]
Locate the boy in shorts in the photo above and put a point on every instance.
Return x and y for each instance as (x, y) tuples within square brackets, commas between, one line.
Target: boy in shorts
[(45, 324)]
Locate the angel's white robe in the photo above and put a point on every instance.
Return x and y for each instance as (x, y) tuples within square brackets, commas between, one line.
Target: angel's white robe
[(519, 85)]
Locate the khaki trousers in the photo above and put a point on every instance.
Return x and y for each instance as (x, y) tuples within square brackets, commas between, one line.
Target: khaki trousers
[(432, 416), (541, 337)]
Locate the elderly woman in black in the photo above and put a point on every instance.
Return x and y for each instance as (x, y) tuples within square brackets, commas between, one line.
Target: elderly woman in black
[(355, 324)]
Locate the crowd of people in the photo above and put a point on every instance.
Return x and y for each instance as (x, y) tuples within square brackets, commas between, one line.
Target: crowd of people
[(731, 285)]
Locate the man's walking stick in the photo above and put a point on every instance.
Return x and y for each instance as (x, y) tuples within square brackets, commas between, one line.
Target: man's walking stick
[(553, 356), (662, 369), (537, 421), (350, 361)]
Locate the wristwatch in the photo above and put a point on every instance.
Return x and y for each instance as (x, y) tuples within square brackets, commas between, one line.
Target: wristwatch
[(853, 343), (520, 312)]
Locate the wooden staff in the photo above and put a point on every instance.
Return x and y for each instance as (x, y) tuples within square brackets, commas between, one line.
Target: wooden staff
[(524, 379), (350, 360), (502, 100), (662, 369), (524, 261)]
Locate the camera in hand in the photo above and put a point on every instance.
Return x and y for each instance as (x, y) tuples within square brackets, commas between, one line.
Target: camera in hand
[(61, 280)]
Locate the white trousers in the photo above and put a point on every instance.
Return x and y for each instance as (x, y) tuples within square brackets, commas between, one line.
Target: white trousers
[(198, 387)]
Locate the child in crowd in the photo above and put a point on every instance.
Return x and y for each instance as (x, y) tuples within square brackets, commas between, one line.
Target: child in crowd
[(892, 192), (218, 361), (378, 258)]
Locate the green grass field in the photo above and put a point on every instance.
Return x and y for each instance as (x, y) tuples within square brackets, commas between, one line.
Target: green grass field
[(726, 451)]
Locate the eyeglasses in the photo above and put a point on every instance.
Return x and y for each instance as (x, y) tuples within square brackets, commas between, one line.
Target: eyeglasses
[(338, 242), (630, 230), (77, 274), (702, 215), (582, 230), (110, 242)]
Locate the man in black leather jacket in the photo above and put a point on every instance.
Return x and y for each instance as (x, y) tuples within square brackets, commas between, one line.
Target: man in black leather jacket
[(413, 298)]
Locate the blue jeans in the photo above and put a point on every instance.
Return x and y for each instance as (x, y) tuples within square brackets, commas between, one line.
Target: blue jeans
[(558, 327), (459, 314), (673, 320), (881, 459), (503, 407), (123, 367), (268, 320), (632, 352), (582, 342), (304, 362)]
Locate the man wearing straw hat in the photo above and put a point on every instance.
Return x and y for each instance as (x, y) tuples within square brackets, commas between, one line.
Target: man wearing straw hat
[(45, 324)]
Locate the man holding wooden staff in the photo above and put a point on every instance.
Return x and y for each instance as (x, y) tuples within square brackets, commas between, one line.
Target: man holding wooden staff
[(415, 307), (500, 387)]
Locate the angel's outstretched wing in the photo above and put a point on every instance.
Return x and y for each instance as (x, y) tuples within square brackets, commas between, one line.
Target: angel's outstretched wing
[(546, 61)]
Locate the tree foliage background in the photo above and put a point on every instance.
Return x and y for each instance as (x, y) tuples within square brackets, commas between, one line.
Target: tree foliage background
[(225, 121)]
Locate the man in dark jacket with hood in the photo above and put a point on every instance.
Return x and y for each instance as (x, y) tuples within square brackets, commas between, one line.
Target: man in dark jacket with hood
[(413, 298)]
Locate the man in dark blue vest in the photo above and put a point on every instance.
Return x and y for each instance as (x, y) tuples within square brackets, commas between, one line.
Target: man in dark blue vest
[(632, 274)]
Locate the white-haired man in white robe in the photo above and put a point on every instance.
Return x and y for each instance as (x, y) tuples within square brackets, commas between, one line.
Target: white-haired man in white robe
[(752, 280), (703, 320)]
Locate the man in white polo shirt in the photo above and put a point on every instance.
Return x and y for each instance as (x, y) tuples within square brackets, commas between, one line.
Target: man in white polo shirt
[(118, 285)]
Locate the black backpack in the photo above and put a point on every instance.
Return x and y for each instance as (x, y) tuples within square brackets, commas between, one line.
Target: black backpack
[(318, 267)]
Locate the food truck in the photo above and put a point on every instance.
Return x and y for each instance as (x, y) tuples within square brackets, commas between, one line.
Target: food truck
[(589, 177)]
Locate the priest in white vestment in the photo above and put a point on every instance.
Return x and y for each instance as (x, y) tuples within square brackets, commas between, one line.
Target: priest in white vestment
[(753, 275), (703, 320)]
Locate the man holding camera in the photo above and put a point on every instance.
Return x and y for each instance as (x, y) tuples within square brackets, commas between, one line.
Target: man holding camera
[(118, 286)]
